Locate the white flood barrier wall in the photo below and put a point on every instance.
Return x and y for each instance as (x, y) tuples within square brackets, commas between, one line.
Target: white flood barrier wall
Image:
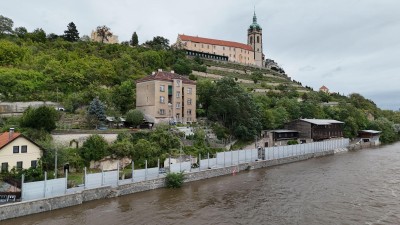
[(57, 187)]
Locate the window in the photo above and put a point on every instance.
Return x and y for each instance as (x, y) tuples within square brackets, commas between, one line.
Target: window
[(16, 149), (189, 112), (178, 105), (223, 48), (258, 39), (194, 45), (251, 40), (178, 94), (34, 163), (24, 149), (4, 167), (189, 90), (178, 82), (162, 111), (162, 88), (189, 101), (19, 165), (162, 99)]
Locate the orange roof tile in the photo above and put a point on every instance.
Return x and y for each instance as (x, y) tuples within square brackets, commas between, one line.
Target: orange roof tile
[(166, 76), (214, 42), (5, 138)]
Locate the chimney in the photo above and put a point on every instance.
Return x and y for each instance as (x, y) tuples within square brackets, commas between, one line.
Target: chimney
[(159, 70), (172, 71), (10, 133)]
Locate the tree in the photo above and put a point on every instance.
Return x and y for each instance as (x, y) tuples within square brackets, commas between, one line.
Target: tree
[(135, 40), (122, 149), (94, 148), (71, 34), (256, 76), (6, 25), (134, 117), (387, 127), (10, 53), (21, 32), (124, 96), (96, 111), (43, 117), (182, 66), (52, 37), (38, 35), (103, 32), (145, 150), (158, 43), (235, 108)]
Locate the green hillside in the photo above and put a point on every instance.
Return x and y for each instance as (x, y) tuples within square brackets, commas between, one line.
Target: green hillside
[(240, 100)]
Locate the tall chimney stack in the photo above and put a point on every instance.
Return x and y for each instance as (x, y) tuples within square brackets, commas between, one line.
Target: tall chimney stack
[(10, 133)]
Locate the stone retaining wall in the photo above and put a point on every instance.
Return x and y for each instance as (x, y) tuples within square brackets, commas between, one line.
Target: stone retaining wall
[(9, 211)]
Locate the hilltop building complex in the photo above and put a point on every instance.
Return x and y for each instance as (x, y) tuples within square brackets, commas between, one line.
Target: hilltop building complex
[(250, 53)]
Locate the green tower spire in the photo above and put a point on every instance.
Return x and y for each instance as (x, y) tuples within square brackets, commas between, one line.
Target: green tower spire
[(255, 25)]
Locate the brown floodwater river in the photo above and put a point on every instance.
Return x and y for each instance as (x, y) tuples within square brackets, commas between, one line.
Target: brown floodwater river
[(360, 187)]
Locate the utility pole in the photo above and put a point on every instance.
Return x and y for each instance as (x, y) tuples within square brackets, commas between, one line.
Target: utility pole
[(55, 164)]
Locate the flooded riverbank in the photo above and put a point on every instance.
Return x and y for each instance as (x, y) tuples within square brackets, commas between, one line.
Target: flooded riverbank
[(351, 188)]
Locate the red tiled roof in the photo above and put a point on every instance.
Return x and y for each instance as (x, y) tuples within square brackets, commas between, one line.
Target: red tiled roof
[(5, 138), (323, 87), (214, 42), (166, 76)]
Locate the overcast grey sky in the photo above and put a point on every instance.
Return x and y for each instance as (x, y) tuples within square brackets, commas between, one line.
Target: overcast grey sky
[(347, 45)]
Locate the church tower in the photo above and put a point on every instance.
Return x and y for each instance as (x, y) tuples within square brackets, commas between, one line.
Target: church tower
[(254, 39)]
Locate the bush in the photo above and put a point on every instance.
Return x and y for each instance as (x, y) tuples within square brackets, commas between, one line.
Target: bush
[(292, 142), (174, 180)]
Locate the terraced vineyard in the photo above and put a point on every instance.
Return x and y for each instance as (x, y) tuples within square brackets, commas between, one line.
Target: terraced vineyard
[(270, 81)]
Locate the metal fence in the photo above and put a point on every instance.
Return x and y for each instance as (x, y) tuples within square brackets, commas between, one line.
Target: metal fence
[(57, 187)]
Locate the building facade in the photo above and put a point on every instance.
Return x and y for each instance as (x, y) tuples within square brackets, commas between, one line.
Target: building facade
[(316, 129), (324, 89), (167, 97), (369, 137), (18, 151), (279, 137), (250, 53)]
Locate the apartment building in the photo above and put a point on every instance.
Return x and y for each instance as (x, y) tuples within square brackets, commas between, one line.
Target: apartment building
[(167, 97)]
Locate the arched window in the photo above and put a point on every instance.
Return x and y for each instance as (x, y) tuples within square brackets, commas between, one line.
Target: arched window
[(251, 40), (258, 39)]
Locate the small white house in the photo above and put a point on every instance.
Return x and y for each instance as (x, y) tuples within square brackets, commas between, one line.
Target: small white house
[(369, 137), (18, 151)]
